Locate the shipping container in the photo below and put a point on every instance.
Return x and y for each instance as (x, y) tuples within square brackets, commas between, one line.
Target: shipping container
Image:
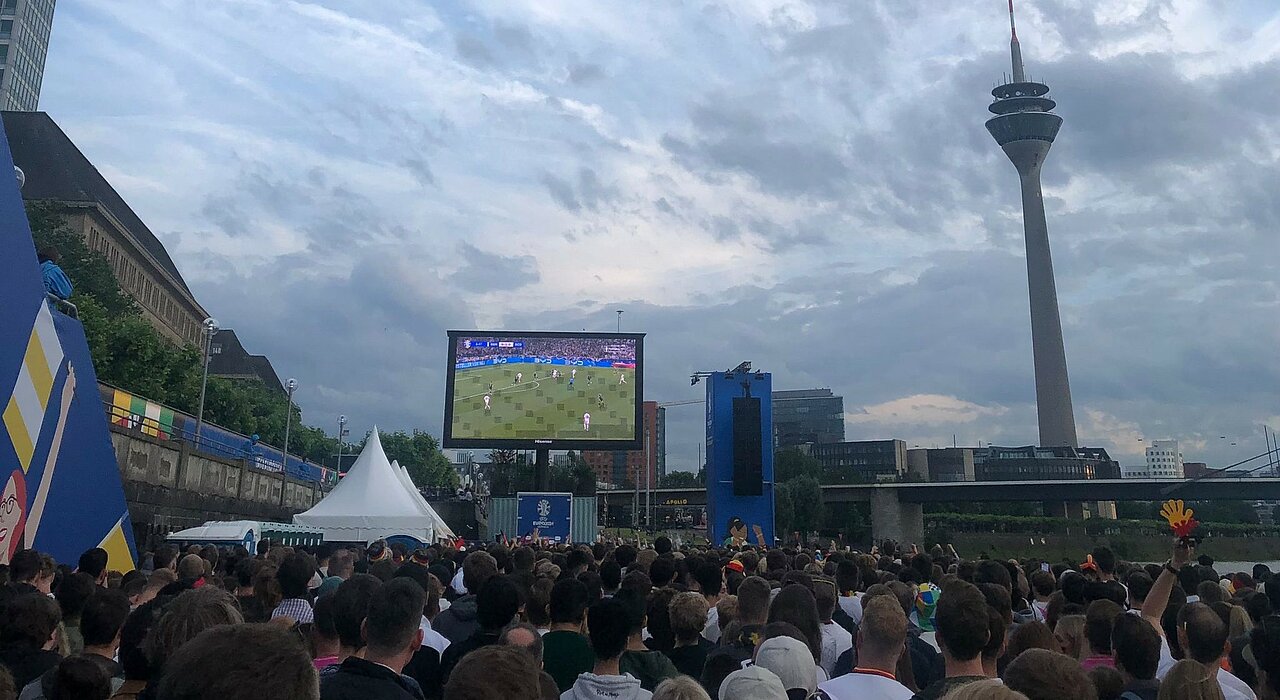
[(502, 518)]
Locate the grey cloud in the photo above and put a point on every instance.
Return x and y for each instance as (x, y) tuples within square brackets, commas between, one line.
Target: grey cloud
[(421, 170), (585, 73), (561, 191), (590, 193), (488, 272), (473, 50)]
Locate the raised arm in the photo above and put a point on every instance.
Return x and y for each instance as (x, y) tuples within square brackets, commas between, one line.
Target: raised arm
[(1158, 597)]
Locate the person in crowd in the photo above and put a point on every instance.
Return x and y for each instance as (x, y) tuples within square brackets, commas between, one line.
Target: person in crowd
[(836, 640), (650, 667), (795, 604), (241, 662), (1042, 588), (498, 671), (1030, 635), (989, 689), (79, 678), (497, 604), (392, 634), (537, 609), (185, 616), (1070, 636), (1098, 621), (324, 632), (1108, 683), (1041, 674), (753, 683), (56, 281), (28, 637), (659, 636), (881, 640), (350, 607), (94, 563), (567, 653), (727, 612), (294, 574), (849, 581), (610, 629), (1139, 585), (191, 570), (709, 580), (72, 595), (1203, 637), (792, 662), (963, 633), (1190, 680), (610, 578), (27, 574), (688, 613), (527, 637), (459, 621), (156, 582), (1264, 648), (680, 688), (101, 620)]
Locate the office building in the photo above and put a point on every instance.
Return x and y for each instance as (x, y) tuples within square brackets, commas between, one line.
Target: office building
[(229, 359), (1025, 127), (807, 416), (861, 461), (1195, 470), (618, 467), (1164, 460), (1032, 463), (24, 41), (941, 464), (58, 172)]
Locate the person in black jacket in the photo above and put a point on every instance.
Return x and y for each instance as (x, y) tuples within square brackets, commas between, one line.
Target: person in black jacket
[(459, 621), (392, 635), (497, 605), (27, 637)]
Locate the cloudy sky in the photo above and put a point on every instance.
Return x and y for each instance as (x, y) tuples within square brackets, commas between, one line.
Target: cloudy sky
[(806, 185)]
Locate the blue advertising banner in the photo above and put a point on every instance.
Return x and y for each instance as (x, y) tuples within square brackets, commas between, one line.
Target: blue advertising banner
[(731, 517), (62, 492), (551, 514)]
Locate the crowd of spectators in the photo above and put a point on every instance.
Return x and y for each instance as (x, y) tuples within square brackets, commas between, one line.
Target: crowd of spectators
[(622, 622)]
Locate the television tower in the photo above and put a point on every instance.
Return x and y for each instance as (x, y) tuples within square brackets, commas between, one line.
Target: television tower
[(1025, 126)]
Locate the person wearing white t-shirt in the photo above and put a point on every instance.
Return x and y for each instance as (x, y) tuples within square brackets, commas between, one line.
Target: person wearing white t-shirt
[(882, 637), (1203, 637), (836, 640)]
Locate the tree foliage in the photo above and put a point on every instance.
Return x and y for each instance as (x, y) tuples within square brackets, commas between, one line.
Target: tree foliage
[(680, 480)]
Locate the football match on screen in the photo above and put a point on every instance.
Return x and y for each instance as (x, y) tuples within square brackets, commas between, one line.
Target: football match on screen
[(544, 388)]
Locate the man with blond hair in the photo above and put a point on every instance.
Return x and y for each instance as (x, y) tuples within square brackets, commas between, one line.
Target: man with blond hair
[(882, 636)]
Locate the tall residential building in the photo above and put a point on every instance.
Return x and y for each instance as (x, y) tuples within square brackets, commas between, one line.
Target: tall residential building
[(1164, 460), (58, 172), (807, 416), (1025, 128), (618, 467), (24, 42)]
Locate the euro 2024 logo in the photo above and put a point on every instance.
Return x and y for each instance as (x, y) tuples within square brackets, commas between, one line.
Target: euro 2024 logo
[(544, 508)]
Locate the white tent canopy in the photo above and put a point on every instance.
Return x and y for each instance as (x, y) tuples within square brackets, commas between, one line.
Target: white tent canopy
[(372, 502), (442, 528)]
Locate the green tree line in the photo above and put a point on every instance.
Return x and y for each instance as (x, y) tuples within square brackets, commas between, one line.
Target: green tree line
[(129, 353)]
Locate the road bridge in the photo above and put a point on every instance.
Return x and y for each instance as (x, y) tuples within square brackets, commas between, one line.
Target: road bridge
[(897, 513)]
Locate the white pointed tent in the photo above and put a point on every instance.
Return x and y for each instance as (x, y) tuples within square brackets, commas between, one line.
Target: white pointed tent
[(442, 528), (370, 502)]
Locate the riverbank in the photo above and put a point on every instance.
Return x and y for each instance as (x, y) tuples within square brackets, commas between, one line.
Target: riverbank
[(1073, 548)]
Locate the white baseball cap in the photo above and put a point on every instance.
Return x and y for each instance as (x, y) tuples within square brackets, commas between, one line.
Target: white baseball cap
[(752, 683), (791, 661)]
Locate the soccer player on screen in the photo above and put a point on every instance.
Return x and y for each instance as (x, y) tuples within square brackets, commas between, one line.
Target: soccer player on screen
[(519, 376), (622, 379), (600, 400), (573, 373), (487, 407), (586, 422)]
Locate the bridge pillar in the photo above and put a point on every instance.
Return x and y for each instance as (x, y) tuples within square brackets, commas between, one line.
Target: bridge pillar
[(894, 519)]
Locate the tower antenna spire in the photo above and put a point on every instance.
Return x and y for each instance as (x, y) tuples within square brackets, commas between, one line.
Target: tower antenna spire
[(1015, 49)]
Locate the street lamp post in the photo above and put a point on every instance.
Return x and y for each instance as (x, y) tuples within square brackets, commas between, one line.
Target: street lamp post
[(288, 419), (210, 327), (342, 429)]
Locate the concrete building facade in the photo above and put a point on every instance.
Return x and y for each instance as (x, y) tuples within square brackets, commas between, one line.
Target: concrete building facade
[(807, 416), (56, 171), (25, 26), (861, 461), (228, 358), (1164, 460), (941, 464)]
